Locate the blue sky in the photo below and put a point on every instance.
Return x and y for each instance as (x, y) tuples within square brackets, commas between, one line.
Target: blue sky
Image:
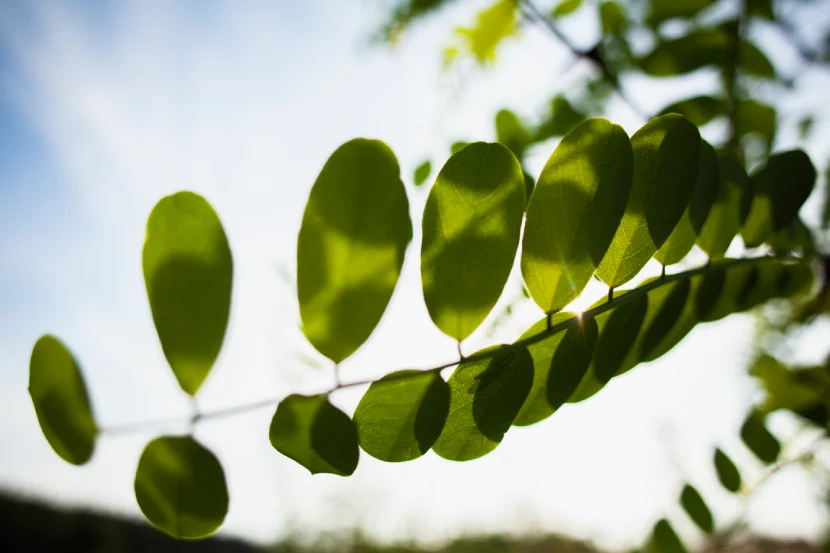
[(107, 107)]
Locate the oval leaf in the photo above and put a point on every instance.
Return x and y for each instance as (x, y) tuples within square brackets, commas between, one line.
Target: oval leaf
[(729, 210), (188, 271), (759, 440), (402, 414), (696, 508), (665, 311), (422, 173), (665, 540), (666, 159), (472, 221), (683, 237), (780, 189), (485, 397), (61, 402), (728, 474), (574, 211), (351, 246), (180, 487), (618, 331), (699, 109), (560, 362), (316, 434)]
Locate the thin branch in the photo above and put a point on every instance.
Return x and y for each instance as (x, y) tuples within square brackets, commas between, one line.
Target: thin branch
[(549, 330)]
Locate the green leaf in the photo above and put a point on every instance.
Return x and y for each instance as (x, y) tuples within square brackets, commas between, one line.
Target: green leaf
[(666, 159), (562, 117), (351, 246), (793, 389), (530, 184), (180, 487), (402, 414), (316, 434), (667, 309), (758, 439), (760, 8), (471, 226), (566, 7), (780, 189), (756, 118), (457, 146), (699, 109), (61, 402), (795, 237), (754, 62), (665, 540), (485, 397), (560, 362), (661, 10), (686, 54), (618, 331), (612, 18), (574, 212), (675, 327), (683, 237), (188, 271), (697, 510), (422, 173), (725, 287), (493, 25), (729, 210), (511, 132), (728, 474)]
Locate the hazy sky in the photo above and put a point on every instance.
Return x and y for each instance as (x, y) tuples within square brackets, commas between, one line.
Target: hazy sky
[(107, 107)]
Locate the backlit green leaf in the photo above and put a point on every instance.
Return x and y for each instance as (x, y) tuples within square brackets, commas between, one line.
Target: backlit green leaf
[(351, 246), (683, 237), (793, 389), (795, 237), (493, 25), (661, 10), (61, 403), (758, 439), (729, 210), (472, 220), (188, 271), (667, 309), (696, 508), (728, 474), (316, 434), (780, 189), (574, 212), (699, 110), (485, 397), (457, 146), (402, 414), (565, 7), (753, 117), (665, 540), (422, 173), (666, 159), (180, 487), (560, 362)]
